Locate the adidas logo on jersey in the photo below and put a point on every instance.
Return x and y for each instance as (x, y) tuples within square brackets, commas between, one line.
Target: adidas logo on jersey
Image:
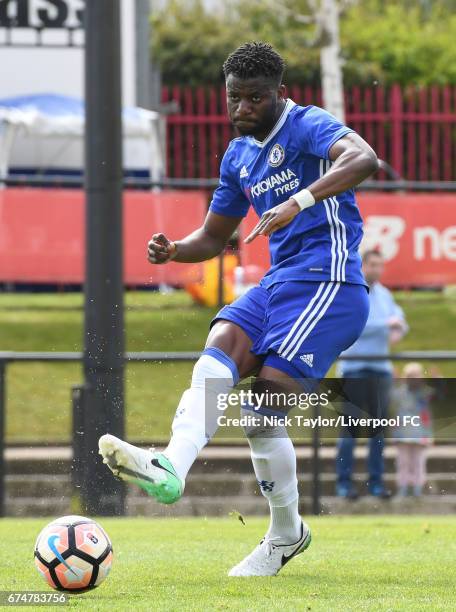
[(244, 172), (308, 359)]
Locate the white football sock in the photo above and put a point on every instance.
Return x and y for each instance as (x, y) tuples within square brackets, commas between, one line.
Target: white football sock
[(274, 462), (195, 422), (286, 522)]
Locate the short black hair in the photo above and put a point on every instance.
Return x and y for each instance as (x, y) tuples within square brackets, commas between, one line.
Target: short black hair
[(255, 59)]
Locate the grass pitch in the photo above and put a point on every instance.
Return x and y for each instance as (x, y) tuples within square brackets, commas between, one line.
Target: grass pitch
[(38, 394), (354, 563)]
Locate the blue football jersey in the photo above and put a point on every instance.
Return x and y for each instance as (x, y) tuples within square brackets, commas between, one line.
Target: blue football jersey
[(321, 243)]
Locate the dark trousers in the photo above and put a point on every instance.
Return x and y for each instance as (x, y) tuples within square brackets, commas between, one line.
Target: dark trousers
[(367, 395)]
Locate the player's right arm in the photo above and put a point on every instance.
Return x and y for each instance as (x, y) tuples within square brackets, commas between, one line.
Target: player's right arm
[(204, 243), (228, 207)]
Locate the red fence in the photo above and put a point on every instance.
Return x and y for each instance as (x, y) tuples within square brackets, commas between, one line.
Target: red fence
[(414, 130)]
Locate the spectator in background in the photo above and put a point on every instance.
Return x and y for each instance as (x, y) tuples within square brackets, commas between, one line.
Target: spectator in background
[(412, 398), (368, 383)]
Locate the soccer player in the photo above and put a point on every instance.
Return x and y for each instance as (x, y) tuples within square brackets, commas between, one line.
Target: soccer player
[(297, 167)]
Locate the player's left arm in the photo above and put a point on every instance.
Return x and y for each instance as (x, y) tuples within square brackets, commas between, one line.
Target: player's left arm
[(354, 160)]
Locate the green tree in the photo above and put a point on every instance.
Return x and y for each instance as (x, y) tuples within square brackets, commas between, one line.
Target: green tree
[(191, 44), (400, 42), (397, 41)]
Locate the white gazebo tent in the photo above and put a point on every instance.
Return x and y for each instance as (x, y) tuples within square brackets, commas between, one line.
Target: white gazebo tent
[(44, 133)]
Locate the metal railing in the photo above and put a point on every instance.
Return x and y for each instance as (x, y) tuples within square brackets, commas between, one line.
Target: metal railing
[(8, 357), (209, 184)]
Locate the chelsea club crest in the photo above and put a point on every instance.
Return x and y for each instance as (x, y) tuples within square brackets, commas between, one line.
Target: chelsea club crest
[(276, 156)]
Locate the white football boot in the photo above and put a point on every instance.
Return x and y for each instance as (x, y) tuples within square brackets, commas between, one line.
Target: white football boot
[(269, 557), (148, 469)]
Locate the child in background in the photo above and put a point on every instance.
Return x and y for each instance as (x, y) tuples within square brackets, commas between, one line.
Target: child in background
[(411, 398)]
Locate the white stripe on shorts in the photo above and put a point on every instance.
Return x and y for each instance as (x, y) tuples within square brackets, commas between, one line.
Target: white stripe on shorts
[(308, 320), (334, 289), (301, 317)]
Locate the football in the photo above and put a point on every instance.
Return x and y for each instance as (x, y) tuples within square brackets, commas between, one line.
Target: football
[(73, 553)]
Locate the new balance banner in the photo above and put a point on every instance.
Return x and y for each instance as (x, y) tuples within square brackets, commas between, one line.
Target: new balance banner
[(415, 232)]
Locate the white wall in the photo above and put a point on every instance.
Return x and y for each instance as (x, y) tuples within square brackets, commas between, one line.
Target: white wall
[(60, 69)]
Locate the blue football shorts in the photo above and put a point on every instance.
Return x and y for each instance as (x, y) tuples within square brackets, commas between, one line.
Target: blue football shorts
[(300, 327)]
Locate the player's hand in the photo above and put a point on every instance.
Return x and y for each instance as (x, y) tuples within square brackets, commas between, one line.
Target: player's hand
[(160, 250), (273, 219)]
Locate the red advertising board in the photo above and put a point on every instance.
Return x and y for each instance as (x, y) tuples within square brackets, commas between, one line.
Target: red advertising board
[(42, 234), (415, 232)]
